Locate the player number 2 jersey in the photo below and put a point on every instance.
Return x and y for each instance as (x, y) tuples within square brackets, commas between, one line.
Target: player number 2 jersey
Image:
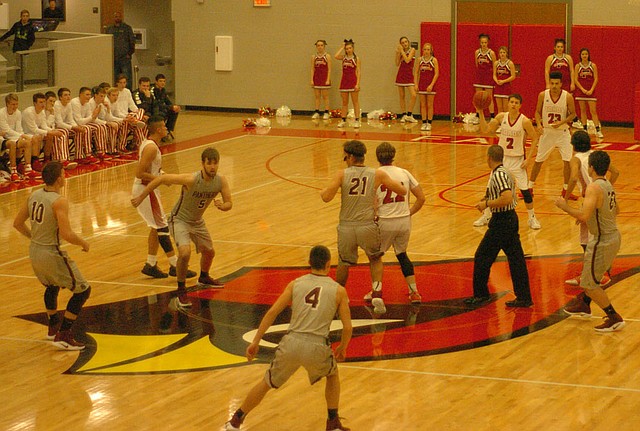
[(512, 136)]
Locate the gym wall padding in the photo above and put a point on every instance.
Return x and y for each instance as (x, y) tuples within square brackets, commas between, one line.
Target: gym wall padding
[(438, 34)]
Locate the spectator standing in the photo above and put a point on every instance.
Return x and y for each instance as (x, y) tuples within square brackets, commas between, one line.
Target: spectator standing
[(124, 45)]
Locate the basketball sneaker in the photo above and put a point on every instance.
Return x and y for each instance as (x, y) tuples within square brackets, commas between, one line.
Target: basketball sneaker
[(599, 134), (403, 119), (64, 340), (341, 124), (571, 197), (415, 298), (315, 116), (183, 300), (15, 177), (336, 425), (378, 302), (31, 174), (578, 308), (51, 333), (173, 272), (611, 323), (66, 164), (410, 119), (428, 127), (229, 427), (153, 271), (474, 120), (424, 127), (577, 125), (326, 116), (482, 221), (575, 281), (210, 282), (534, 223), (356, 125)]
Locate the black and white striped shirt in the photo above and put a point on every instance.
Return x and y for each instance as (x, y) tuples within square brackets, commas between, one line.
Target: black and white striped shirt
[(500, 181)]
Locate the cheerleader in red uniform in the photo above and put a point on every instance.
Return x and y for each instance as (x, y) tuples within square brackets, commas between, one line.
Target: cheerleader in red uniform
[(321, 78), (350, 82), (586, 73), (425, 81), (504, 71), (484, 59), (405, 60)]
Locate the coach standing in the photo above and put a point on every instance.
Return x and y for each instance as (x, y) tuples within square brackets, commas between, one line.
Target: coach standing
[(501, 235), (124, 45)]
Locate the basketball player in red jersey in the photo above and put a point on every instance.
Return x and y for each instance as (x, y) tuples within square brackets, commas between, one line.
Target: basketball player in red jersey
[(484, 59), (406, 60), (350, 83), (321, 78), (586, 73), (427, 74), (504, 71)]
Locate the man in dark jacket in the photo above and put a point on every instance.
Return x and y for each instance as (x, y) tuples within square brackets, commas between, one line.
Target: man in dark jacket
[(124, 45), (23, 31), (166, 108)]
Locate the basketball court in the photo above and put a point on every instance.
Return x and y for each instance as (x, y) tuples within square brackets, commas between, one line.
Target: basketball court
[(439, 365)]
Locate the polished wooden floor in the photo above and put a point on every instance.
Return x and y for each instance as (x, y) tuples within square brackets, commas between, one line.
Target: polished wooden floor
[(560, 376)]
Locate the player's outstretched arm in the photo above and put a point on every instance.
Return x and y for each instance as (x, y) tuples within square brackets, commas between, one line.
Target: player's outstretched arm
[(281, 303), (168, 180)]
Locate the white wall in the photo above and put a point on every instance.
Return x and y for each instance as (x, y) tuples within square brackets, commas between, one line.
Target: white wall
[(273, 48)]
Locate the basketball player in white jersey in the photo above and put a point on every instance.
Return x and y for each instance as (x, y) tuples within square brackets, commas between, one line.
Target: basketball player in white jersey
[(554, 113), (48, 212), (394, 214), (314, 299), (515, 128), (599, 211), (151, 210), (580, 176), (357, 227)]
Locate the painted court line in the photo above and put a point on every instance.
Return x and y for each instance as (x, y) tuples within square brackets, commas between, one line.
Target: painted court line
[(496, 379)]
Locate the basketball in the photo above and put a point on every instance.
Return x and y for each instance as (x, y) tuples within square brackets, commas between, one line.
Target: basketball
[(481, 100)]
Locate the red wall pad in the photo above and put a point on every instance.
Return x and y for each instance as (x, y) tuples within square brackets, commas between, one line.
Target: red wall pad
[(530, 47), (438, 34), (613, 49)]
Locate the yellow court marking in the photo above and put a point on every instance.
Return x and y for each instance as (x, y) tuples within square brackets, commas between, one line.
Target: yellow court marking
[(117, 348), (200, 354)]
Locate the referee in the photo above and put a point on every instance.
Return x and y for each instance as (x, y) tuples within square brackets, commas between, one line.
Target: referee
[(501, 235)]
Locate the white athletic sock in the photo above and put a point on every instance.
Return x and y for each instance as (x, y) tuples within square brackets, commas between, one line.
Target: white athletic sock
[(376, 285), (173, 260), (564, 186), (531, 184), (152, 259), (412, 287), (532, 214)]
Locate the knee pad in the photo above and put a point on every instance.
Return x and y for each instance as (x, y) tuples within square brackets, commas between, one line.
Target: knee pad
[(51, 297), (77, 301), (165, 239), (405, 264), (526, 194)]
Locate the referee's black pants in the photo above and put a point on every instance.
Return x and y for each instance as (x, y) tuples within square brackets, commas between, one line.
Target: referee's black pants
[(501, 235)]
